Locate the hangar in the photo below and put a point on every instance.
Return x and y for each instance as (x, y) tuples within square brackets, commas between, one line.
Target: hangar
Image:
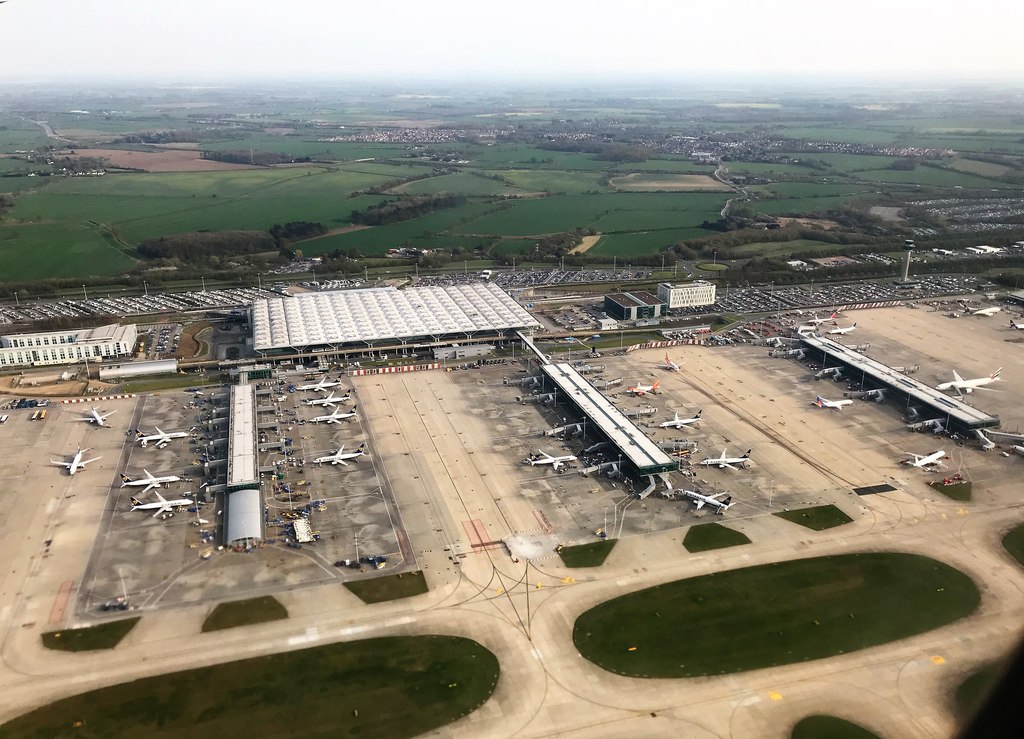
[(384, 316)]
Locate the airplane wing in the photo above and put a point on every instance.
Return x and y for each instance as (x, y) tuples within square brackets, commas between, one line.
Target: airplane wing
[(149, 487), (726, 464), (60, 464), (341, 462), (957, 377), (700, 504), (87, 461)]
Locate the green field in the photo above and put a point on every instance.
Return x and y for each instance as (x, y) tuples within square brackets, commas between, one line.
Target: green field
[(1013, 542), (931, 176), (461, 183), (643, 242), (957, 491), (982, 169), (393, 687), (801, 206), (811, 189), (244, 613), (841, 134), (554, 182), (90, 638), (587, 555), (817, 518), (17, 134), (975, 688), (40, 251), (707, 536), (829, 727), (774, 614), (389, 587), (796, 247)]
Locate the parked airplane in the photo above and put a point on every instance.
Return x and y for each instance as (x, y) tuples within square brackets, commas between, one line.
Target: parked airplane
[(720, 506), (556, 463), (341, 455), (76, 463), (94, 416), (925, 461), (162, 438), (730, 462), (161, 507), (335, 416), (149, 481), (324, 384), (987, 311), (669, 364), (640, 389), (818, 321), (330, 400), (968, 386), (678, 423), (1015, 326), (836, 405), (841, 331)]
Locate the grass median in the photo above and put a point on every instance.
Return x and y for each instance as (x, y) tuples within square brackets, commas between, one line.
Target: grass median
[(101, 636)]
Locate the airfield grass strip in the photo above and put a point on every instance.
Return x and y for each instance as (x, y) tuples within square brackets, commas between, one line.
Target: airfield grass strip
[(706, 536), (817, 518), (389, 587), (960, 491), (245, 613), (1013, 542), (101, 636), (390, 687), (774, 614), (587, 555), (829, 727)]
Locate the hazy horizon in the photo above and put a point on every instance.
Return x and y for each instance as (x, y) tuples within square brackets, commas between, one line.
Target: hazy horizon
[(230, 42)]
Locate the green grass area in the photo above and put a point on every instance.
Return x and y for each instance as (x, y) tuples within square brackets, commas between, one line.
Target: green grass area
[(802, 206), (603, 212), (841, 163), (1013, 542), (666, 165), (842, 134), (173, 382), (643, 242), (102, 636), (554, 182), (469, 184), (794, 248), (811, 189), (711, 266), (587, 555), (818, 518), (774, 614), (980, 168), (524, 156), (244, 613), (829, 727), (960, 491), (932, 176), (18, 134), (971, 693), (393, 687), (304, 144), (389, 587), (706, 536), (39, 251)]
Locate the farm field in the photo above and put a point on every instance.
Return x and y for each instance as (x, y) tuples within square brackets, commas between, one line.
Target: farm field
[(801, 205), (643, 242), (930, 176), (641, 182), (555, 182), (41, 251), (774, 614), (772, 249), (812, 189), (980, 168), (465, 183), (162, 160)]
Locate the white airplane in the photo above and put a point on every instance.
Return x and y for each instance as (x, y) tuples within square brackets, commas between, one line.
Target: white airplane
[(1015, 326), (841, 331), (720, 506), (330, 400), (730, 462), (669, 364), (640, 389), (94, 416), (1019, 449), (149, 481), (341, 455), (679, 423), (161, 507), (968, 386), (836, 405), (76, 463), (335, 416), (925, 461), (324, 384), (556, 463), (986, 311), (818, 321), (162, 438)]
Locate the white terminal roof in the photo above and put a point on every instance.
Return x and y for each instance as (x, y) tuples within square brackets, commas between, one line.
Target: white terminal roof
[(376, 314), (936, 400), (242, 436), (625, 435), (245, 516)]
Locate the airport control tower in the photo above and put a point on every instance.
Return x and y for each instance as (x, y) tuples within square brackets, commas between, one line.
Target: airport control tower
[(908, 247)]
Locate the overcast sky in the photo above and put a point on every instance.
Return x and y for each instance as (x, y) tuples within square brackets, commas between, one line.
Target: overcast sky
[(551, 40)]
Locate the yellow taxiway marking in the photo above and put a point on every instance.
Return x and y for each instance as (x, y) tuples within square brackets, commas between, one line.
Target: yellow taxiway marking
[(775, 696), (939, 660)]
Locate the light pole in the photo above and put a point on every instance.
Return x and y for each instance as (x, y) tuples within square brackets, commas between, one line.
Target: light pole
[(85, 293), (714, 258), (145, 288)]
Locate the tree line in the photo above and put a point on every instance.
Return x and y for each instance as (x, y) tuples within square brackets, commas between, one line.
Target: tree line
[(393, 211)]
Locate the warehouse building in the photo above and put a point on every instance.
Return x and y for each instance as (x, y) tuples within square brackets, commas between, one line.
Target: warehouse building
[(688, 294), (633, 306), (66, 347), (379, 317)]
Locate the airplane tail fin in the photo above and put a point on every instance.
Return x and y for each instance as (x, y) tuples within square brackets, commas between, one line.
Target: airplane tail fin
[(125, 479), (854, 325), (697, 415), (656, 385), (995, 375), (746, 455), (135, 502), (1013, 325)]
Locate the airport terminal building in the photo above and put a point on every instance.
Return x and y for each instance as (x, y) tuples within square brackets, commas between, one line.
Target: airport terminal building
[(688, 294), (66, 347), (381, 317)]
